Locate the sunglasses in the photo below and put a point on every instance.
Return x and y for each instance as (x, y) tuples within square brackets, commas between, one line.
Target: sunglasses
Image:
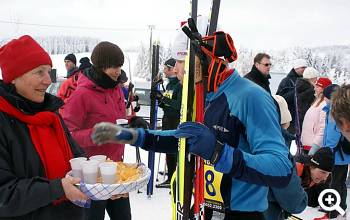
[(266, 64)]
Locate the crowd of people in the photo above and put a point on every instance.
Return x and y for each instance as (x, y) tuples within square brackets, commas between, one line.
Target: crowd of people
[(246, 134)]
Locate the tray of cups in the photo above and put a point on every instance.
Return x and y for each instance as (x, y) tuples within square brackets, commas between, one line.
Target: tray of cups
[(102, 178)]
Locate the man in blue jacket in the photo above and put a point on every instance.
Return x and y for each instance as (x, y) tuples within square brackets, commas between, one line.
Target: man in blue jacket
[(241, 136), (341, 109), (333, 138)]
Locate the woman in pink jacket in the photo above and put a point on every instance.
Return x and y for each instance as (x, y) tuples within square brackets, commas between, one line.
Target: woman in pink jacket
[(98, 98), (314, 120)]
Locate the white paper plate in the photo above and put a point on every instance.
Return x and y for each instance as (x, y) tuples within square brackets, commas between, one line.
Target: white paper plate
[(101, 191)]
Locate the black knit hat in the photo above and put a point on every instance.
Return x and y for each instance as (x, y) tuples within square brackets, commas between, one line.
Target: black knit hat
[(84, 63), (106, 55), (327, 92), (122, 77), (170, 62), (323, 159), (71, 57)]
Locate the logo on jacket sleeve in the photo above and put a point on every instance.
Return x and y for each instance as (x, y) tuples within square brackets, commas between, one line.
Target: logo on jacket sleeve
[(220, 128)]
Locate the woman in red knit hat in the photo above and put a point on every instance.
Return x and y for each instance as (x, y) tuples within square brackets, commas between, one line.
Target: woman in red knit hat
[(314, 120), (35, 147)]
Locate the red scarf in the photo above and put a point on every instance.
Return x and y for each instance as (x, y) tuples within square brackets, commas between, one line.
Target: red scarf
[(48, 137)]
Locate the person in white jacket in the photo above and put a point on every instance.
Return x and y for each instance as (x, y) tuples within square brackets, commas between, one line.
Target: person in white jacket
[(314, 120)]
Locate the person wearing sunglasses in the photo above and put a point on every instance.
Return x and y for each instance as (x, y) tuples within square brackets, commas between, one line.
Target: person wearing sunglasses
[(260, 73)]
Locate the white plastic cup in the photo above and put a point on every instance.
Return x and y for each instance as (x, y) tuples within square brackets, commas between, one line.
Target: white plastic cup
[(75, 164), (99, 158), (122, 122), (108, 172), (90, 171)]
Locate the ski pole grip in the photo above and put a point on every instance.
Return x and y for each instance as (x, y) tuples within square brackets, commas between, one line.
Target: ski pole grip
[(188, 32), (192, 25)]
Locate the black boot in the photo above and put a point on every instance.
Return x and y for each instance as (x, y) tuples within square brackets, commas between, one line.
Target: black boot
[(165, 184)]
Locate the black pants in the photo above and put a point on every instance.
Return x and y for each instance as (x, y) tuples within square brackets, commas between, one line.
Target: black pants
[(208, 213), (169, 123), (118, 209), (313, 193), (338, 182), (235, 215)]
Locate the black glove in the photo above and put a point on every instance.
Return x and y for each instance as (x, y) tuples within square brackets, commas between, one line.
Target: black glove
[(138, 122), (155, 94)]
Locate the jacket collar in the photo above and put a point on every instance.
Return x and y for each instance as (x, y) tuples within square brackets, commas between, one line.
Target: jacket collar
[(8, 92), (261, 77), (293, 74)]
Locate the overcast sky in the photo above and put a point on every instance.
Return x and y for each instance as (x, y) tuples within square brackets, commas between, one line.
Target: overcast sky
[(257, 24)]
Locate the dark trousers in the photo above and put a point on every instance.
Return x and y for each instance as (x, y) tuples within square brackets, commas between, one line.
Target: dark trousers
[(169, 123), (313, 193), (235, 215), (338, 182), (208, 213), (118, 209)]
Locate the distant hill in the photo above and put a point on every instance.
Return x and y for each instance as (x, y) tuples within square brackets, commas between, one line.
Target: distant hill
[(64, 44), (331, 61)]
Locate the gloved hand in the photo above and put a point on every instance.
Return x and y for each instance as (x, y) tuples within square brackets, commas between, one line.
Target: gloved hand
[(156, 94), (138, 122), (106, 132), (201, 140)]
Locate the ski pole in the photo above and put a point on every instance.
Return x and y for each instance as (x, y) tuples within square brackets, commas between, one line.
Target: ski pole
[(158, 167)]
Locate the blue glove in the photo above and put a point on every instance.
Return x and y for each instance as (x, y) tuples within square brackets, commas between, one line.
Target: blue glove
[(201, 140)]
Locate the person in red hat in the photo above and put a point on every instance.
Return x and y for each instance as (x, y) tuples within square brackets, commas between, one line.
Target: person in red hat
[(314, 119), (35, 147)]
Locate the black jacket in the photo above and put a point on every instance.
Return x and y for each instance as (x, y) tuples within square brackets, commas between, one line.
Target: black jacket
[(25, 192), (305, 94), (286, 90), (171, 102), (257, 77)]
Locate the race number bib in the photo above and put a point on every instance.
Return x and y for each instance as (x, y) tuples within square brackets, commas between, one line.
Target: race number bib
[(212, 194), (168, 94)]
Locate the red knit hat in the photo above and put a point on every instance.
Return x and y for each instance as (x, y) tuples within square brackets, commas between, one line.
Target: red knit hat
[(20, 56), (323, 82)]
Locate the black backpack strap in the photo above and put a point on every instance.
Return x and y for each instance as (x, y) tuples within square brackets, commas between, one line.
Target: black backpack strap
[(340, 146)]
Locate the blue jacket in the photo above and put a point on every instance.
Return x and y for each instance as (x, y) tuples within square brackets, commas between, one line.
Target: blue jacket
[(280, 199), (332, 136), (243, 116), (280, 207)]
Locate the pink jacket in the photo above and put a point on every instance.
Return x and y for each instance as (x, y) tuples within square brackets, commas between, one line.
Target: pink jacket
[(88, 105), (313, 125)]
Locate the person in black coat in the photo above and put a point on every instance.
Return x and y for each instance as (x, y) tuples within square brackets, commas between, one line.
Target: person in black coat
[(286, 88), (306, 96), (306, 92), (35, 144), (260, 73)]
